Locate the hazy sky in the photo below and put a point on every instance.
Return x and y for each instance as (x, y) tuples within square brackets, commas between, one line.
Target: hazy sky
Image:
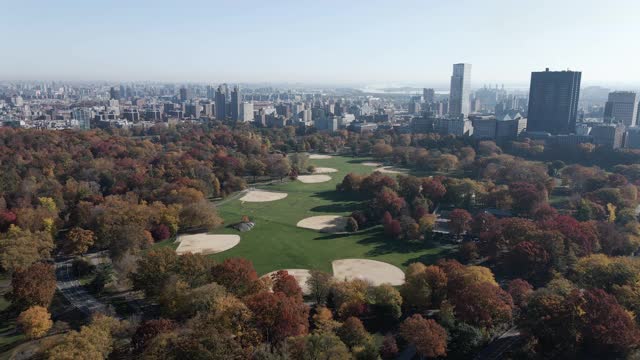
[(320, 41)]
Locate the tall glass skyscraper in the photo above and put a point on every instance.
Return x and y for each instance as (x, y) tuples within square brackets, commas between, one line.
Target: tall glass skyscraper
[(553, 101), (459, 102)]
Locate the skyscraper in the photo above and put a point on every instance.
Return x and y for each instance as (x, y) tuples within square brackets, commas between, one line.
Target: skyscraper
[(221, 102), (428, 95), (83, 117), (553, 101), (622, 108), (460, 90), (236, 101), (114, 94)]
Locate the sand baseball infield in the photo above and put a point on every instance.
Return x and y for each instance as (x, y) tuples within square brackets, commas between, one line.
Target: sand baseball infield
[(262, 196), (324, 170), (371, 163), (319, 157), (301, 276), (314, 179), (206, 243), (376, 272), (391, 170), (324, 223)]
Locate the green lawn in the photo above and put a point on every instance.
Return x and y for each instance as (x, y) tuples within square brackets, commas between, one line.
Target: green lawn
[(276, 242)]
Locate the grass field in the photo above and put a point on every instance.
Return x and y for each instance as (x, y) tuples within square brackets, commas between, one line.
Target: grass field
[(276, 242)]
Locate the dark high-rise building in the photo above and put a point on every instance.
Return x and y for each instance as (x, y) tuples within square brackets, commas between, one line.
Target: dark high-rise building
[(185, 94), (221, 103), (428, 95), (459, 95), (553, 101), (236, 101), (114, 93)]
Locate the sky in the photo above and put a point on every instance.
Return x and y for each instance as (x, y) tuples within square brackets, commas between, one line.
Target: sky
[(318, 41)]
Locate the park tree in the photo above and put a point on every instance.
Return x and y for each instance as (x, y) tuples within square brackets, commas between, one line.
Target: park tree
[(459, 221), (607, 325), (409, 187), (424, 287), (350, 183), (323, 320), (278, 166), (21, 248), (35, 322), (148, 330), (278, 316), (520, 291), (526, 197), (350, 297), (381, 151), (93, 341), (79, 241), (237, 275), (317, 345), (200, 215), (385, 302), (389, 347), (352, 333), (34, 285), (433, 189), (482, 304), (255, 167), (319, 284), (429, 338), (287, 284), (153, 270)]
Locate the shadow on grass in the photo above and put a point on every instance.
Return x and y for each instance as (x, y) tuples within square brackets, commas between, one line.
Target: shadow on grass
[(338, 196), (338, 207), (446, 251)]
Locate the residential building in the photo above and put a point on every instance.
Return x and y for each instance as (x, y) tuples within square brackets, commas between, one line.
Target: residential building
[(459, 96), (553, 101)]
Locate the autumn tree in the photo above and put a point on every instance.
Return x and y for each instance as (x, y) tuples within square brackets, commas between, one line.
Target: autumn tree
[(424, 287), (79, 241), (287, 284), (608, 327), (200, 215), (34, 285), (21, 248), (520, 291), (278, 316), (385, 302), (148, 330), (429, 338), (153, 270), (353, 333), (319, 284), (93, 341), (35, 321), (317, 345), (237, 275), (459, 221)]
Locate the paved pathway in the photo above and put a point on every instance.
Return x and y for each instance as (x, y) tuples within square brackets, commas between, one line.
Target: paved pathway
[(71, 289)]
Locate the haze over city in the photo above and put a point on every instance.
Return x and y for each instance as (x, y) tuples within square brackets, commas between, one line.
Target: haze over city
[(323, 42), (320, 180)]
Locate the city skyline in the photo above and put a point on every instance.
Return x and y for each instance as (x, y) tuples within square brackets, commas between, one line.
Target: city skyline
[(368, 43)]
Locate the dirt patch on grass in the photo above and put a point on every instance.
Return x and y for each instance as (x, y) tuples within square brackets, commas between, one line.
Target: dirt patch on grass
[(376, 272), (206, 243), (319, 157), (314, 179), (392, 170), (371, 163), (262, 196), (324, 170), (324, 223)]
